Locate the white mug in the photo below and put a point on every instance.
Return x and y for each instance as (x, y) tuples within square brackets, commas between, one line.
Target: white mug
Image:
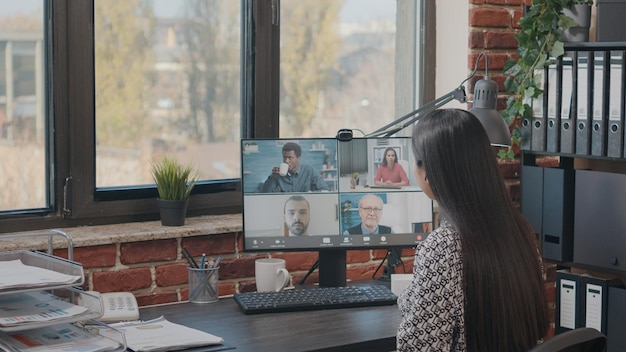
[(283, 168), (270, 274)]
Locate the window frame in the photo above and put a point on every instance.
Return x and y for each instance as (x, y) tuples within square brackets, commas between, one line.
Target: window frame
[(69, 53)]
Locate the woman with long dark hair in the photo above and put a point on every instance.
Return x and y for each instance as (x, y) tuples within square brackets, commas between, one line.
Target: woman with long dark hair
[(478, 283)]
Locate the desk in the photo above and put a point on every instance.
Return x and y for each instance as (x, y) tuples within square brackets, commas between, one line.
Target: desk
[(350, 329)]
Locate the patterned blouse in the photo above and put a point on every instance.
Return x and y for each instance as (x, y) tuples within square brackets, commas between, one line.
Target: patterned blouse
[(432, 306)]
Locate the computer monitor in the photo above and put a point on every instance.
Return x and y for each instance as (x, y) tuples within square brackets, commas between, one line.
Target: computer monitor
[(335, 195)]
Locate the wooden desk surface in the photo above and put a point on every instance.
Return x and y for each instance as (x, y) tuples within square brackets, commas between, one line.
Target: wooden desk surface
[(351, 329)]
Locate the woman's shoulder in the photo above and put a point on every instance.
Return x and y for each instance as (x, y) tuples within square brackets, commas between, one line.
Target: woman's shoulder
[(443, 238)]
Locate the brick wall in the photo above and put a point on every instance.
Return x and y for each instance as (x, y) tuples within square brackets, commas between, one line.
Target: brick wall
[(155, 271)]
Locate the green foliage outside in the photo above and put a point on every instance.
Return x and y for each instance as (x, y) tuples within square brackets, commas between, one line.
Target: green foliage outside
[(123, 42), (309, 51)]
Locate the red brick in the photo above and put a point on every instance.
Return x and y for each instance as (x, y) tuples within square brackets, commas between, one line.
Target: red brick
[(156, 298), (250, 285), (297, 260), (551, 292), (358, 256), (489, 17), (362, 272), (226, 288), (509, 168), (237, 268), (171, 274), (211, 244), (125, 280), (504, 2), (496, 61), (500, 40), (477, 39), (513, 187), (96, 256), (148, 251), (517, 15)]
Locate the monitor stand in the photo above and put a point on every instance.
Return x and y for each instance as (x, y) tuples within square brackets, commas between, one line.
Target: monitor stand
[(332, 268)]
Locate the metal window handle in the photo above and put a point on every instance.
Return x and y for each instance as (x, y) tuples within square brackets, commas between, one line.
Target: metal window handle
[(275, 12)]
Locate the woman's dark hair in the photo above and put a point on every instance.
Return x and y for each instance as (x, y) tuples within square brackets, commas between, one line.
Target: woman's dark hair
[(505, 303), (395, 156)]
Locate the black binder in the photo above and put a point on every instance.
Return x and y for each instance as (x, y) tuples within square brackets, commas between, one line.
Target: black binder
[(616, 320), (557, 238), (531, 200), (568, 302)]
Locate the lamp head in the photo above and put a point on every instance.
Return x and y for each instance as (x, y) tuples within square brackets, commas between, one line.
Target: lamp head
[(484, 108)]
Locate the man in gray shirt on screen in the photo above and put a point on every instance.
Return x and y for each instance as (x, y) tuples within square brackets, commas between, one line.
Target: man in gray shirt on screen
[(299, 177)]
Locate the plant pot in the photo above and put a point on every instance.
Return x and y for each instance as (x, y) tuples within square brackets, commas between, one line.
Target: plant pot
[(173, 212), (581, 14)]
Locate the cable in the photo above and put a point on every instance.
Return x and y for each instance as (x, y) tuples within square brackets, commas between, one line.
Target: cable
[(311, 270)]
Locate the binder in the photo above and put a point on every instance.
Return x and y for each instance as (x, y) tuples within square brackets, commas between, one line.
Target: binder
[(596, 301), (557, 239), (538, 123), (616, 320), (585, 107), (601, 83), (568, 302), (525, 131), (531, 201), (615, 139), (569, 104), (553, 122)]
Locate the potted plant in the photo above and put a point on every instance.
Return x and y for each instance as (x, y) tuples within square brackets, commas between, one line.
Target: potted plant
[(540, 44), (174, 183)]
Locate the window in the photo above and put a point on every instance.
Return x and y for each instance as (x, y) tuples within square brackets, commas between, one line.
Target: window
[(188, 78), (22, 131)]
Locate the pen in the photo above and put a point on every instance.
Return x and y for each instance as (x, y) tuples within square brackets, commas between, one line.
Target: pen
[(217, 261), (202, 260), (189, 258)]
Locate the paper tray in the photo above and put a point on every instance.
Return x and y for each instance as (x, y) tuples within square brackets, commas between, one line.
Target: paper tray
[(82, 299), (43, 261)]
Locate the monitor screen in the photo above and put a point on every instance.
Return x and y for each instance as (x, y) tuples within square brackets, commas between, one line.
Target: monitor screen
[(331, 196)]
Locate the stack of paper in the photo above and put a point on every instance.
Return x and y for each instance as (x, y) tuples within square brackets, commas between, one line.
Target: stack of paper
[(57, 338), (16, 275), (31, 308), (161, 335)]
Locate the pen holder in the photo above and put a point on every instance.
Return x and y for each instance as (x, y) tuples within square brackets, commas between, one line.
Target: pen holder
[(203, 285)]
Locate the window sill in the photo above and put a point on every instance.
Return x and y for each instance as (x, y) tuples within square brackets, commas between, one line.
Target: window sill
[(127, 232)]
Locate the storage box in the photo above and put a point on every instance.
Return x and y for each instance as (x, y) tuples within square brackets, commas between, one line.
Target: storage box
[(610, 24)]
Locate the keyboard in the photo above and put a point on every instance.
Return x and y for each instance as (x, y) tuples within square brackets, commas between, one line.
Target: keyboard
[(316, 298)]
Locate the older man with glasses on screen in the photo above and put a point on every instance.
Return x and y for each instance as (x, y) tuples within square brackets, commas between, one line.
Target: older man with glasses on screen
[(370, 211)]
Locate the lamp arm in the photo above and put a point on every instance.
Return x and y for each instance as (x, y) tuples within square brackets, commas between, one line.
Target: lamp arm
[(410, 118)]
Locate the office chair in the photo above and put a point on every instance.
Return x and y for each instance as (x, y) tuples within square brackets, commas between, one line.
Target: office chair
[(577, 340)]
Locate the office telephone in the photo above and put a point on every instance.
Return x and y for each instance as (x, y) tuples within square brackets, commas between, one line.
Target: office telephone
[(118, 306)]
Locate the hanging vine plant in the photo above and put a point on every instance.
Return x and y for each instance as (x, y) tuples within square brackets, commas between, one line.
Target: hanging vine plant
[(539, 45)]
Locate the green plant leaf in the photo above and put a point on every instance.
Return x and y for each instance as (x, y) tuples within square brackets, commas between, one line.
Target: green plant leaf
[(174, 181)]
